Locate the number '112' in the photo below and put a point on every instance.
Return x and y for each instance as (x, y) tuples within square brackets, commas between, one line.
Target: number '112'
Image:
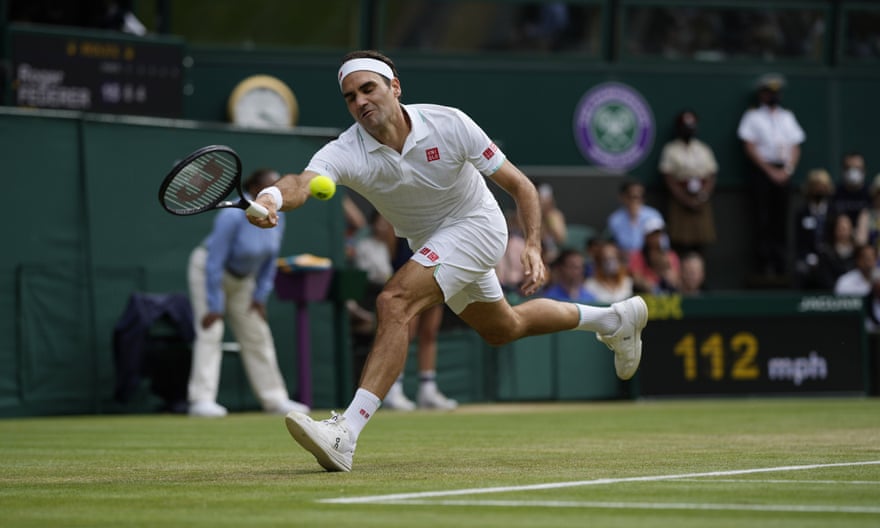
[(743, 346)]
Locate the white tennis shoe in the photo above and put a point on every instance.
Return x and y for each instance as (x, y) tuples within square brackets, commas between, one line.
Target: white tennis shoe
[(626, 342), (436, 400), (328, 440), (396, 400), (206, 409), (285, 406)]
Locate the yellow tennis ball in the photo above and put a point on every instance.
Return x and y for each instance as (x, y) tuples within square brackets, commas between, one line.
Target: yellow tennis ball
[(322, 187)]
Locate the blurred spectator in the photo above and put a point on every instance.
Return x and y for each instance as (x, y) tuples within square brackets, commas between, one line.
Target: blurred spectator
[(627, 223), (852, 197), (702, 31), (610, 281), (689, 170), (543, 26), (359, 233), (862, 36), (857, 282), (838, 253), (509, 269), (567, 278), (553, 227), (591, 255), (811, 228), (771, 137), (872, 306), (355, 223), (372, 253), (654, 268), (116, 15), (693, 274), (873, 214)]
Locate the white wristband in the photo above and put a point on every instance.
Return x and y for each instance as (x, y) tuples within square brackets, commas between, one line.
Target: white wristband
[(275, 193)]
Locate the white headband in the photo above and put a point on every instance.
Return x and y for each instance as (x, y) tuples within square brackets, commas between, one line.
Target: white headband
[(373, 65)]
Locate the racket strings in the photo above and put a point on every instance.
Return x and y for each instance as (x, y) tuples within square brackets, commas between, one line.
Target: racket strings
[(204, 182)]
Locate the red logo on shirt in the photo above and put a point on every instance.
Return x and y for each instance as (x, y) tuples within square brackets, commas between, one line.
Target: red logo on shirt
[(489, 152), (428, 252), (433, 154)]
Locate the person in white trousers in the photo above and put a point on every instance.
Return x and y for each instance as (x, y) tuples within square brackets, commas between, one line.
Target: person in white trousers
[(231, 274)]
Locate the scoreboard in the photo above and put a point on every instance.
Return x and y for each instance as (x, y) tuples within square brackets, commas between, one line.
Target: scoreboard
[(753, 344), (96, 71)]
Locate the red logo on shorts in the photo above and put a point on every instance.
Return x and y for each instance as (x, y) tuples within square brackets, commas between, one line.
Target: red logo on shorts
[(489, 152), (433, 154), (429, 253)]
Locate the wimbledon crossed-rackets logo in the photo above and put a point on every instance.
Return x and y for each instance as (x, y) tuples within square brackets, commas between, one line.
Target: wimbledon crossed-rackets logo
[(614, 126)]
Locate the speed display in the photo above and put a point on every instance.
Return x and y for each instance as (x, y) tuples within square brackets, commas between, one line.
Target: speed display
[(753, 345)]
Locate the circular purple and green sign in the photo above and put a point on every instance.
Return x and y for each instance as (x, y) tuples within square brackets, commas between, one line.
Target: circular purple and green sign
[(614, 126)]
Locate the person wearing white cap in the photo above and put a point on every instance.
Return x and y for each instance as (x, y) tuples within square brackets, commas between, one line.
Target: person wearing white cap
[(424, 168), (772, 140)]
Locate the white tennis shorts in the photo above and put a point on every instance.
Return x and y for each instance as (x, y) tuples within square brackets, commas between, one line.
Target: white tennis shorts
[(464, 254)]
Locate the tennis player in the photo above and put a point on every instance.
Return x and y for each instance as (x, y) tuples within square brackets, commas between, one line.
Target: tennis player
[(422, 166)]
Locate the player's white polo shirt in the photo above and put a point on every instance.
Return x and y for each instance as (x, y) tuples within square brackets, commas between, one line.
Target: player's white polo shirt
[(436, 180)]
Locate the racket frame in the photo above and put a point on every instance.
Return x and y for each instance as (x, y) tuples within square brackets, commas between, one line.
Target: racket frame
[(252, 209)]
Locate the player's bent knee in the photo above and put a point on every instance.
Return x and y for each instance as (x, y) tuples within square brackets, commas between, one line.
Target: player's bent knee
[(392, 305), (497, 339)]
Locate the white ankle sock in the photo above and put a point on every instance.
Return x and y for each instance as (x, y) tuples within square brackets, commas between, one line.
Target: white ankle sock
[(603, 321), (362, 408)]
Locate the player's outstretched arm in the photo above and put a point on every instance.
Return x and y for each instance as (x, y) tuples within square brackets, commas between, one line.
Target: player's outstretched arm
[(528, 208), (293, 190)]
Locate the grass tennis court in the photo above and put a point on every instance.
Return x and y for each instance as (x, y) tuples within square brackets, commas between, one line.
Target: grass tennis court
[(683, 463)]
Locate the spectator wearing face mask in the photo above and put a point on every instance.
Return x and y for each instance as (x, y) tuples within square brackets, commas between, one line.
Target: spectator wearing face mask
[(689, 168), (772, 140), (610, 281), (852, 197)]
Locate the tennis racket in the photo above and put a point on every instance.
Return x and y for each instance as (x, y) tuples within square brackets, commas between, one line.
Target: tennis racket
[(203, 180)]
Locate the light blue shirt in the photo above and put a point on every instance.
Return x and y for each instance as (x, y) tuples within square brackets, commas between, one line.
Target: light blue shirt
[(557, 292), (630, 236), (243, 249)]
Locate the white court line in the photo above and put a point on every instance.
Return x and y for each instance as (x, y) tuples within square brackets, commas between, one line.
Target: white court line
[(403, 497), (781, 481), (791, 508)]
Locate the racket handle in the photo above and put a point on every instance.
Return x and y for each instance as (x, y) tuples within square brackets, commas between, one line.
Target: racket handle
[(257, 210)]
